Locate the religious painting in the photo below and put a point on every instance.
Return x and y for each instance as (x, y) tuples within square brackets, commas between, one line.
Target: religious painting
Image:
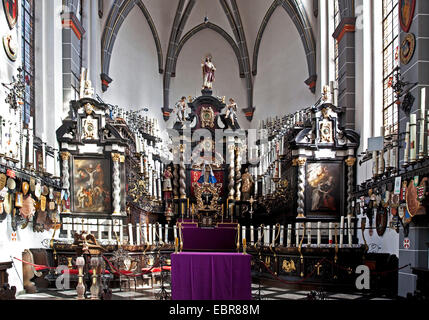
[(11, 12), (91, 185), (406, 13), (196, 175), (324, 189)]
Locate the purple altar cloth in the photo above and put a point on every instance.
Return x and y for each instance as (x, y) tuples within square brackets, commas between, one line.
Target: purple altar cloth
[(217, 239), (210, 276)]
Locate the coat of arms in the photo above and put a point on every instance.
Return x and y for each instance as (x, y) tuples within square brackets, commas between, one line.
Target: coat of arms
[(406, 13), (11, 12)]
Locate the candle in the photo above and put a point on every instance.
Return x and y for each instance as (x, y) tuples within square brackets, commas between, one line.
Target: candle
[(349, 225), (297, 234), (273, 236), (138, 230), (121, 232), (309, 233), (175, 232), (109, 231), (289, 235), (413, 137), (331, 227), (259, 234), (319, 234), (154, 234), (267, 236), (187, 207), (144, 233), (176, 244), (166, 234), (282, 230), (130, 234), (422, 124), (341, 231), (160, 233), (150, 234), (252, 235), (243, 232)]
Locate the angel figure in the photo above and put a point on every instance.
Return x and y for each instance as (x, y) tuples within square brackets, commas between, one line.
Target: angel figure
[(208, 73), (181, 109)]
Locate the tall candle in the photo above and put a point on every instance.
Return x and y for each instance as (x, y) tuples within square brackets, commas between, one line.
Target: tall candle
[(319, 234), (160, 233), (154, 234), (341, 231), (130, 234), (138, 230), (144, 233), (259, 234), (297, 234), (150, 234), (349, 226), (289, 235), (273, 236), (175, 232), (121, 232), (252, 235), (413, 137), (282, 230), (267, 236), (309, 233), (331, 227), (243, 232), (109, 231), (407, 143), (422, 124), (166, 234)]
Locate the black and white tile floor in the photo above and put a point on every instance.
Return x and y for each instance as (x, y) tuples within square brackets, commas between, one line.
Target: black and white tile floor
[(264, 293)]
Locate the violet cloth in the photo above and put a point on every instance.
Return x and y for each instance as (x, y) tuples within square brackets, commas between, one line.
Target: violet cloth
[(217, 239), (210, 276)]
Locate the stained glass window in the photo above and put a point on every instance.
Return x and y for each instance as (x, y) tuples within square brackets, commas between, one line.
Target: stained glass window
[(28, 58), (390, 62)]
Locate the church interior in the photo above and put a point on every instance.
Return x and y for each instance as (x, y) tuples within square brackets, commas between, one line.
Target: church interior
[(214, 150)]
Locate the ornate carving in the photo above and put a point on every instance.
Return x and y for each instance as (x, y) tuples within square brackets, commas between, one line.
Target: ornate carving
[(65, 156), (207, 188), (207, 117), (350, 162), (116, 157), (288, 266)]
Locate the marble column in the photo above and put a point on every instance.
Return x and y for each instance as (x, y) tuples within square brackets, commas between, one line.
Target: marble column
[(116, 185), (300, 162), (65, 156)]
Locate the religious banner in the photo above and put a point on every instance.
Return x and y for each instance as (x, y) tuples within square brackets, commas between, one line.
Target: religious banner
[(406, 13), (11, 12)]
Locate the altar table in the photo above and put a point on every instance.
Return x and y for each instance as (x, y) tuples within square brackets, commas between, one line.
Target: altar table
[(210, 276), (209, 239)]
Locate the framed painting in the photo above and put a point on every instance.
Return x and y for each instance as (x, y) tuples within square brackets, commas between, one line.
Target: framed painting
[(406, 13), (324, 190), (91, 186)]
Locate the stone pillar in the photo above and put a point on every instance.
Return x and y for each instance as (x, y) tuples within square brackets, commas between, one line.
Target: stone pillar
[(116, 185), (238, 159), (350, 162), (231, 175), (414, 71)]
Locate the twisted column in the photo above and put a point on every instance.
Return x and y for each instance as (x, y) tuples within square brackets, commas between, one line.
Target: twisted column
[(116, 184), (175, 181), (238, 173), (182, 174), (65, 156), (350, 162), (231, 174), (300, 162)]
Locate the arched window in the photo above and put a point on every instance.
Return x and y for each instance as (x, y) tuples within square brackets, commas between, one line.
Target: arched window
[(390, 62), (27, 13)]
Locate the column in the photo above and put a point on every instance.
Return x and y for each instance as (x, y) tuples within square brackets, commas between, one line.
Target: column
[(300, 162), (116, 185), (65, 156)]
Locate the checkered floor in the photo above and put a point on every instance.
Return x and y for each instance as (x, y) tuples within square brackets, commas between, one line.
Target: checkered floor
[(263, 293)]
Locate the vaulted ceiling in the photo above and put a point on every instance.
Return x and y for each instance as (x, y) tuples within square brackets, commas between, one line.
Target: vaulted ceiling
[(240, 22)]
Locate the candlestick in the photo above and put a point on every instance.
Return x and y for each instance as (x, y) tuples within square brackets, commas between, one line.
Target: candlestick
[(331, 227), (80, 288), (289, 235), (413, 137), (166, 234), (244, 245), (243, 232), (319, 234), (273, 236), (282, 230), (341, 231), (176, 245), (175, 232)]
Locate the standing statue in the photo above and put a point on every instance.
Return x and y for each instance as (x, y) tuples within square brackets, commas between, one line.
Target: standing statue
[(231, 114), (208, 73), (247, 185), (168, 187), (181, 110)]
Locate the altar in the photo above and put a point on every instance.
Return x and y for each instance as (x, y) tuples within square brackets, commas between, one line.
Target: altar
[(223, 237), (211, 276)]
